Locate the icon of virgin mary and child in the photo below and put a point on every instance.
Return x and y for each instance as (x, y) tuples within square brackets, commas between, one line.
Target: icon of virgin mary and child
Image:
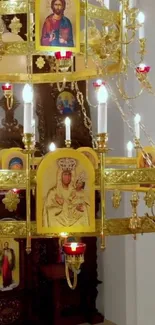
[(66, 204), (57, 29)]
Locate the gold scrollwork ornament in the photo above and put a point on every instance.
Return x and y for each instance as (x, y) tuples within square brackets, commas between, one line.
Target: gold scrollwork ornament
[(149, 198), (116, 199), (40, 62), (15, 25), (11, 200)]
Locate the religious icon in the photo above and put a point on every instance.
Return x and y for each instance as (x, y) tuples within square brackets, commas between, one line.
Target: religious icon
[(66, 103), (147, 160), (58, 25), (13, 159), (66, 200), (90, 154), (9, 264)]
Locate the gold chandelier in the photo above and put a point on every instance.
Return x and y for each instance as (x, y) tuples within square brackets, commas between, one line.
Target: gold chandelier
[(103, 52)]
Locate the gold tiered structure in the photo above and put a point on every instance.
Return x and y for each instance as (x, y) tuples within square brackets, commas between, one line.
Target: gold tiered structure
[(102, 53)]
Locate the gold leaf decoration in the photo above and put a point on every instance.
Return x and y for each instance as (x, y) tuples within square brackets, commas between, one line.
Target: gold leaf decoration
[(15, 25), (40, 62), (11, 201), (116, 199), (149, 198)]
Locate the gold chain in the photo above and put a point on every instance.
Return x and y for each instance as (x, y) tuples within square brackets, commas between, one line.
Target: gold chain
[(126, 121), (87, 120)]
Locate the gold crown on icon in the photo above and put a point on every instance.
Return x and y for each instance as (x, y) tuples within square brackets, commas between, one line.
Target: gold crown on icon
[(81, 177), (67, 164)]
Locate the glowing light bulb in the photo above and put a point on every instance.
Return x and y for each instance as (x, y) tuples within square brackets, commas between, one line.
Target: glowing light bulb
[(68, 128), (27, 94), (102, 95), (67, 121), (137, 118), (52, 147), (129, 148), (64, 234), (73, 247), (141, 17)]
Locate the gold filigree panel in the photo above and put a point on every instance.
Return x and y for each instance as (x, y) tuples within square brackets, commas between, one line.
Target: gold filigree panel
[(100, 13), (13, 7), (57, 77), (129, 176), (113, 177), (113, 227), (95, 12), (15, 179)]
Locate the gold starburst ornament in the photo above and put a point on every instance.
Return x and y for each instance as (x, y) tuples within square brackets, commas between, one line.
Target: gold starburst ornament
[(15, 25), (40, 62), (11, 200)]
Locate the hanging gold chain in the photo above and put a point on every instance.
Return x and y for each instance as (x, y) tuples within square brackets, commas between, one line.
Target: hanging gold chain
[(131, 129), (87, 120)]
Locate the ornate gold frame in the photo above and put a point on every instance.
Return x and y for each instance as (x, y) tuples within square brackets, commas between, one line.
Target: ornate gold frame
[(22, 48)]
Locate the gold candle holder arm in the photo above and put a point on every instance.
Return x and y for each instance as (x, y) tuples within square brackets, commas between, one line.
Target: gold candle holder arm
[(135, 221), (102, 149), (28, 142), (72, 286)]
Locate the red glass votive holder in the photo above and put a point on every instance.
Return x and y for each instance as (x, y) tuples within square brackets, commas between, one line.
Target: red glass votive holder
[(72, 249), (7, 86), (63, 55), (97, 84), (145, 69)]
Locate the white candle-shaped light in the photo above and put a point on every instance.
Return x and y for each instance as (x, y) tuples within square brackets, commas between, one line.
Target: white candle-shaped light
[(141, 20), (129, 149), (107, 3), (63, 53), (68, 128), (28, 108), (137, 126), (102, 97), (73, 247), (52, 147)]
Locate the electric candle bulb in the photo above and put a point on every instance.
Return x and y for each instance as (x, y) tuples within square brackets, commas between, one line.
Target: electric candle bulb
[(63, 53), (52, 147), (102, 97), (68, 128), (73, 247), (137, 126), (141, 20), (27, 94), (107, 3), (129, 148), (28, 109), (141, 17)]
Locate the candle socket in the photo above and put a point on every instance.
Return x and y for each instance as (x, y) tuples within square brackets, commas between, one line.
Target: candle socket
[(28, 140), (68, 143), (137, 143), (74, 261), (101, 140)]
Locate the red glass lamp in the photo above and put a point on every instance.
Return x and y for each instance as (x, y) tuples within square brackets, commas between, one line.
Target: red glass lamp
[(143, 69), (74, 257), (98, 83), (63, 60), (8, 94)]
